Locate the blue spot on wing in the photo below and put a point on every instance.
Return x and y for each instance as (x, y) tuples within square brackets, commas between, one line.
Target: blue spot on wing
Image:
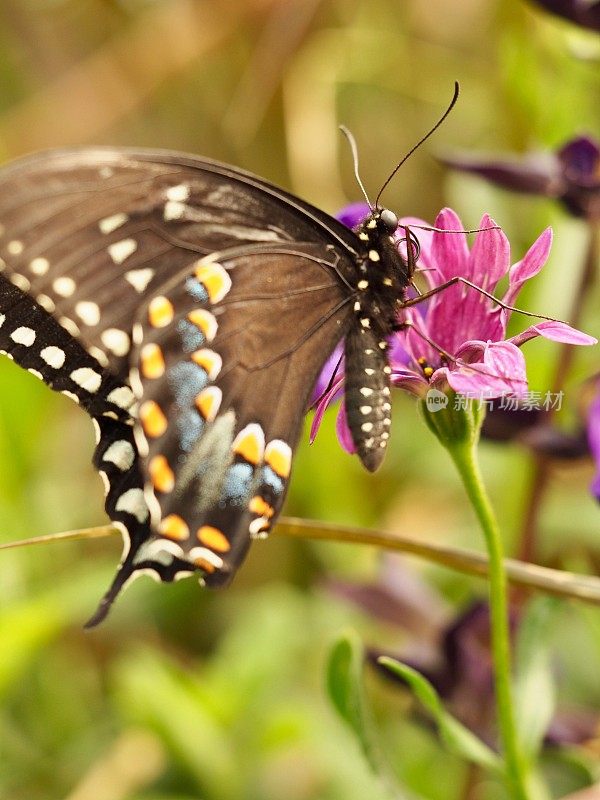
[(196, 290), (238, 484), (191, 336), (186, 379), (190, 425), (270, 478)]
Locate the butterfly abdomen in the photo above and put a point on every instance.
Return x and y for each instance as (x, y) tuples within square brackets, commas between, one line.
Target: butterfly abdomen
[(382, 279), (367, 394)]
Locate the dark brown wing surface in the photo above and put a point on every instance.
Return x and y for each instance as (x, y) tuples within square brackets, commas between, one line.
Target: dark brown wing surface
[(188, 307)]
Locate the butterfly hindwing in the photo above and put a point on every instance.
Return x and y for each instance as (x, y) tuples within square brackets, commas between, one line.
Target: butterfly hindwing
[(223, 388)]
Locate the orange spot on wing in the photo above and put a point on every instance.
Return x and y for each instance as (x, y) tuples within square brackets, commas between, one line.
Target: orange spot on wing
[(204, 320), (215, 279), (161, 474), (204, 564), (213, 538), (152, 418), (260, 507), (250, 443), (173, 527), (278, 455), (210, 361), (152, 361), (208, 402), (160, 312)]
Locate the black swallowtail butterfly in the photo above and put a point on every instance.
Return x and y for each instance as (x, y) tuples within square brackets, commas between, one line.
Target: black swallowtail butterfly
[(189, 307)]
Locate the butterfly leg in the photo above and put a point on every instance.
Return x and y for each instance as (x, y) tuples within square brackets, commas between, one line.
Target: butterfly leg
[(449, 358), (459, 279), (409, 325)]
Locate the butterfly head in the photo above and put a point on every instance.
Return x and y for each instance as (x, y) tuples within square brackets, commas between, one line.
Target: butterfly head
[(387, 221), (393, 254), (380, 222)]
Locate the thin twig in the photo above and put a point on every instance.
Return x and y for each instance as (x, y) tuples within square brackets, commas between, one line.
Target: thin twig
[(544, 579), (531, 576)]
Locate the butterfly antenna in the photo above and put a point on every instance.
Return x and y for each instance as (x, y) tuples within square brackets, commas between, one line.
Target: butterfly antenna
[(352, 143), (420, 142)]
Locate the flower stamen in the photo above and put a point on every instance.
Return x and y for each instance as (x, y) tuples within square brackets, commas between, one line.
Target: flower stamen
[(426, 367)]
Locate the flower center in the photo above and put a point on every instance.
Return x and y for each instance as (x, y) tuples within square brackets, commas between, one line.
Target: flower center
[(426, 367)]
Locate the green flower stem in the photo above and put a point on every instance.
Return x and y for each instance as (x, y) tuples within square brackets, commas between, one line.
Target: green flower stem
[(457, 426), (466, 463)]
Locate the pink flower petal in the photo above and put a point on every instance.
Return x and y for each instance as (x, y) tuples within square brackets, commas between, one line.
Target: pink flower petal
[(531, 263), (502, 371), (343, 431), (425, 242), (410, 381), (460, 313), (490, 256), (323, 404), (471, 351), (557, 331), (450, 252), (439, 379), (410, 344), (335, 362), (538, 173)]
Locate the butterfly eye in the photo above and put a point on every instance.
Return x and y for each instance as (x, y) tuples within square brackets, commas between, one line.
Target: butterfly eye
[(389, 219)]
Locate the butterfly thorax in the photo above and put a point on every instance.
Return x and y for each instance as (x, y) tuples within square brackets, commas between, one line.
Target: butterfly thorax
[(384, 276), (384, 273)]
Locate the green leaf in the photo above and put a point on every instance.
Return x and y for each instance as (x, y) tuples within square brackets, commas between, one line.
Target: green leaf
[(344, 684), (457, 738), (535, 695), (345, 688)]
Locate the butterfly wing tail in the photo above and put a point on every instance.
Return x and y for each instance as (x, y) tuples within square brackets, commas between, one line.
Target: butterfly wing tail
[(125, 573), (133, 568)]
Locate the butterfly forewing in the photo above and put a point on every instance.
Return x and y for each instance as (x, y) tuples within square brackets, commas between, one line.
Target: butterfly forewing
[(90, 234), (213, 295)]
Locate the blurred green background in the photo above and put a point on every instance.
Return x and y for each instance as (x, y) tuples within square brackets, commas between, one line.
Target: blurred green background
[(187, 694)]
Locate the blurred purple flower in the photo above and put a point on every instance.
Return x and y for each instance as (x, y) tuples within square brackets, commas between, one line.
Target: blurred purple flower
[(532, 427), (468, 326), (571, 174), (583, 12), (452, 652), (593, 430), (463, 676), (354, 213)]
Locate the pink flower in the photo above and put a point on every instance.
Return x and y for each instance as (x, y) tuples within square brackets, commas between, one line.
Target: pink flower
[(456, 339)]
